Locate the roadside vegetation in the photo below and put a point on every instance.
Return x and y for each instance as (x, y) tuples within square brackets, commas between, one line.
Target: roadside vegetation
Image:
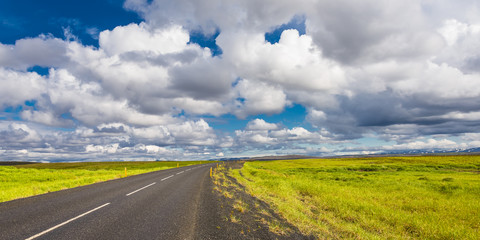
[(245, 216), (430, 197), (26, 180)]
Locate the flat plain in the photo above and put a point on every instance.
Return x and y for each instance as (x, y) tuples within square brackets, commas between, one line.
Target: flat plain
[(427, 197)]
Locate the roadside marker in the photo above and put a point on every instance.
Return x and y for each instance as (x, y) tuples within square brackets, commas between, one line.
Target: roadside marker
[(125, 171), (210, 172), (177, 164)]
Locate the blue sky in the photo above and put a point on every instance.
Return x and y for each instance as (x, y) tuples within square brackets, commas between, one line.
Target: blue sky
[(148, 80), (29, 18)]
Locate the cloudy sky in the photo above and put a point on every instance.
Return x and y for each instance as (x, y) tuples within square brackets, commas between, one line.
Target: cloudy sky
[(202, 79)]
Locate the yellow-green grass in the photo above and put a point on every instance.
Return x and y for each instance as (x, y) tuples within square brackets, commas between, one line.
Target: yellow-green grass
[(32, 179), (431, 197)]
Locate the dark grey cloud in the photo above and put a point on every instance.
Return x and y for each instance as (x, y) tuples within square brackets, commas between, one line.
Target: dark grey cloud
[(353, 32), (20, 136), (203, 80), (165, 60), (110, 129)]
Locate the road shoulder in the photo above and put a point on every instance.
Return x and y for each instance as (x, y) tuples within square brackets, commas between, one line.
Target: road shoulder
[(228, 212)]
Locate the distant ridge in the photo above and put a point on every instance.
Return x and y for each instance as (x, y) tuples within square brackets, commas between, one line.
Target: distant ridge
[(436, 151), (399, 153), (416, 152), (268, 158), (11, 163), (472, 150), (282, 157)]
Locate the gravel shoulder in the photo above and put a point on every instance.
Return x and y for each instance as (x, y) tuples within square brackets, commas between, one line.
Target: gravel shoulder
[(228, 212)]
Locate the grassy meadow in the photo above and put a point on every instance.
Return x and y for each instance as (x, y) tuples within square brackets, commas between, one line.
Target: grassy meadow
[(431, 197), (26, 180)]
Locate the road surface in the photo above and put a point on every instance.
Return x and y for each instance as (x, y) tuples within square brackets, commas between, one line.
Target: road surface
[(168, 204)]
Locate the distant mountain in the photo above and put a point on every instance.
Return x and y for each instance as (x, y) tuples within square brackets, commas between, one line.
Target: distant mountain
[(229, 159), (282, 157), (12, 163), (265, 158), (434, 151), (389, 153), (472, 150)]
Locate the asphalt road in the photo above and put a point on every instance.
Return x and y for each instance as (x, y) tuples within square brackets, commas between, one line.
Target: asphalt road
[(168, 204)]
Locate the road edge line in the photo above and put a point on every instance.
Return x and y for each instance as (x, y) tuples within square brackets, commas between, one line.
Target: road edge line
[(61, 224), (167, 177), (128, 194)]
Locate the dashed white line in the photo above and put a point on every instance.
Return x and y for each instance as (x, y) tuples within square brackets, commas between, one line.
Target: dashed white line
[(180, 172), (188, 170), (128, 194), (61, 224), (166, 178)]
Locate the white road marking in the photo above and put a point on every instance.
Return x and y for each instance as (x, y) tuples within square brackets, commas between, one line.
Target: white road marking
[(167, 178), (140, 189), (180, 172), (188, 170), (61, 224)]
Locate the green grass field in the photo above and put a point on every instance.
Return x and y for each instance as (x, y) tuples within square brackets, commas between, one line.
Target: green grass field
[(372, 198), (31, 179)]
